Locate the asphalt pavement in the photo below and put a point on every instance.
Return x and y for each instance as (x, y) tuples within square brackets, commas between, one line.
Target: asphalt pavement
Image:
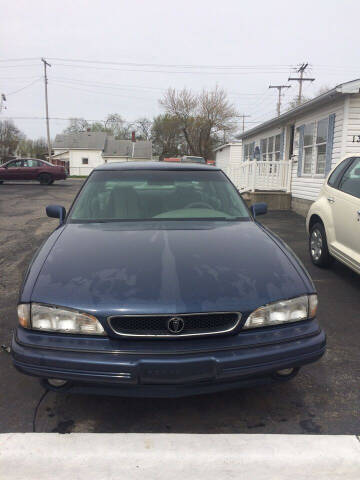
[(323, 399)]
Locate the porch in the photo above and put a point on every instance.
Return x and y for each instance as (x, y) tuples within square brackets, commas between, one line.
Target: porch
[(263, 181)]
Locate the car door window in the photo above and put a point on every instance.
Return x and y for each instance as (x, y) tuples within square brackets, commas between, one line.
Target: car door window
[(335, 177), (15, 164), (350, 182), (31, 163)]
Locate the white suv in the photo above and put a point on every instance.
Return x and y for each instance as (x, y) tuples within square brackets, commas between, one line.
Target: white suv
[(333, 221)]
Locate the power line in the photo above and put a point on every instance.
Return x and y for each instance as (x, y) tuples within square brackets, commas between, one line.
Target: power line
[(23, 88), (162, 65), (97, 67), (18, 59)]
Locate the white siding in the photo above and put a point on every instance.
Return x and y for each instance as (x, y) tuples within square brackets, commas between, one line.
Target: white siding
[(353, 127), (223, 157), (75, 161), (229, 155), (308, 187), (235, 154)]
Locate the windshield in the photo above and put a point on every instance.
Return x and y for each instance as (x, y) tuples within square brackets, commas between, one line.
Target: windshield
[(157, 195)]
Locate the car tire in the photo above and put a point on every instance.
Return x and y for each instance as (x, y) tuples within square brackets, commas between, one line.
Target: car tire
[(45, 179), (51, 182), (1, 181), (318, 247)]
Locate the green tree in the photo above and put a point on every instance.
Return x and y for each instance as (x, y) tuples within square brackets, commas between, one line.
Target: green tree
[(32, 148), (167, 136), (10, 137)]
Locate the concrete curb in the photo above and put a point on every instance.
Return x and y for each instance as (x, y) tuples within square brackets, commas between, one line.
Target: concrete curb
[(173, 456)]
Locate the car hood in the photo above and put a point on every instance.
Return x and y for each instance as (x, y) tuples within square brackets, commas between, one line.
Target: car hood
[(167, 267)]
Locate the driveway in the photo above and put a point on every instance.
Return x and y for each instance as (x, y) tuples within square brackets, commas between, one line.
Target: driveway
[(323, 398)]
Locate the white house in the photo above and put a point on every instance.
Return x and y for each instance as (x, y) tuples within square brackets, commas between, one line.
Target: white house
[(311, 138), (86, 150), (228, 155)]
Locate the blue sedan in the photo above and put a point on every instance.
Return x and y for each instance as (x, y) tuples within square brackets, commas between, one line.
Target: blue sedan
[(160, 282)]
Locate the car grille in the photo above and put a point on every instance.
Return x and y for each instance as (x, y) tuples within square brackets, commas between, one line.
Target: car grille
[(175, 325)]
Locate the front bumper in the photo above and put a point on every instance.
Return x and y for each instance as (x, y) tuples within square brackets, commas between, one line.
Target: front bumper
[(167, 368)]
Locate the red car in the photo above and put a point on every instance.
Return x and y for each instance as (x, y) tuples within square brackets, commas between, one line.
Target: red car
[(31, 169)]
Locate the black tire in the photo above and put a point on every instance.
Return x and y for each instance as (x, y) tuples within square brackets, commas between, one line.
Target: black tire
[(52, 181), (45, 179), (1, 181), (318, 247)]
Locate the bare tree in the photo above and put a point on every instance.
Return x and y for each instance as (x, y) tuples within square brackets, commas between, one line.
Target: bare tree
[(143, 128), (77, 125), (115, 124), (202, 117), (183, 106)]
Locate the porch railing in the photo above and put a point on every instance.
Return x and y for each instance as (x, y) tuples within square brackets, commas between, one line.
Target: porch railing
[(254, 175)]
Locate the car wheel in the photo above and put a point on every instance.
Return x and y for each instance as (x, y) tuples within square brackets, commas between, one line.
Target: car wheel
[(1, 181), (51, 182), (45, 179), (318, 246)]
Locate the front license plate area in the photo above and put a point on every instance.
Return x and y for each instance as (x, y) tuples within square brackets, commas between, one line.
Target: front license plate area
[(176, 372)]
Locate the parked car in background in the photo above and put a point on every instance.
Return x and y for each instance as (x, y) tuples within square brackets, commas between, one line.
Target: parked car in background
[(172, 159), (32, 169), (160, 282), (192, 159), (333, 221)]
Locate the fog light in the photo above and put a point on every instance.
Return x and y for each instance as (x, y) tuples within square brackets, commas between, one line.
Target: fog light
[(286, 372), (56, 382)]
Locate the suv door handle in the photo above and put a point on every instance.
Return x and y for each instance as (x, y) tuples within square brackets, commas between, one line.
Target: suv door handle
[(331, 199)]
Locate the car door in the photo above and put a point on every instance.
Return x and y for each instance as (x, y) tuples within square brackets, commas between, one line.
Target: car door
[(345, 205), (14, 170), (31, 169)]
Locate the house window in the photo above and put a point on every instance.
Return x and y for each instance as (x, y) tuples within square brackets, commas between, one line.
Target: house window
[(277, 147), (263, 147), (270, 149), (85, 161), (249, 150), (321, 139), (308, 147), (314, 153), (246, 152)]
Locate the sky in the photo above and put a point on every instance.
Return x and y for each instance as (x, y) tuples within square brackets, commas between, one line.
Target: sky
[(115, 56)]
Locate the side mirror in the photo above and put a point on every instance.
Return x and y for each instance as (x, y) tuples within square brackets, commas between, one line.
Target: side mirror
[(56, 211), (258, 209)]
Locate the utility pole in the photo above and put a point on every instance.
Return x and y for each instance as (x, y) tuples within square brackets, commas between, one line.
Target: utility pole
[(243, 121), (2, 101), (301, 79), (46, 64), (279, 88)]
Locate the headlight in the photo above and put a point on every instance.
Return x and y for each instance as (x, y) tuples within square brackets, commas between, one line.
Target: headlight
[(60, 320), (285, 311)]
